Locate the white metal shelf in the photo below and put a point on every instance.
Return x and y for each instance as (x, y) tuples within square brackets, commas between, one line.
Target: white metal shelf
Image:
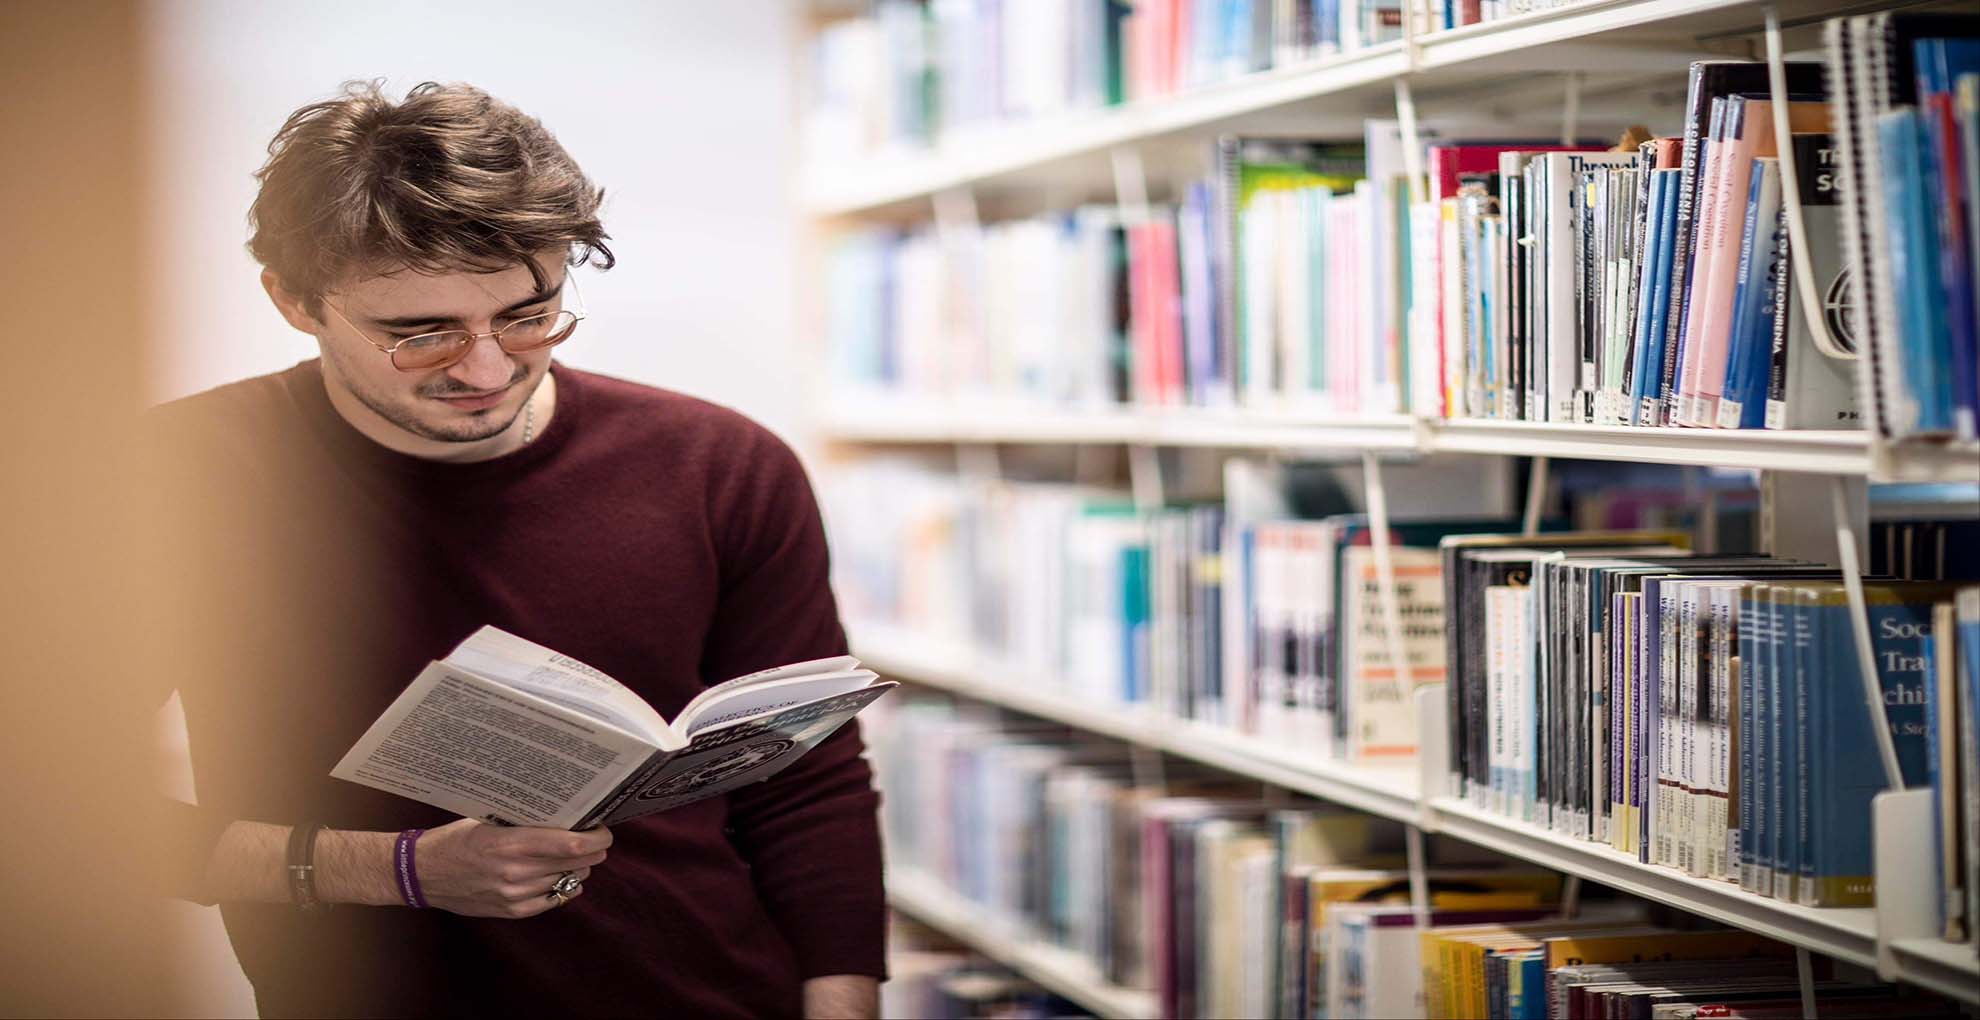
[(1844, 933), (1389, 793), (1847, 933), (1631, 37), (1058, 970), (885, 422), (1827, 452)]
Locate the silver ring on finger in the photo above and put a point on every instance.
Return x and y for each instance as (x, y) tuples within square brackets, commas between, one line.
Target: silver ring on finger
[(557, 899), (566, 884)]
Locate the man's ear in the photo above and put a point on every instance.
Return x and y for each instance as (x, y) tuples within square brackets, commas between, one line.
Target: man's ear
[(289, 304)]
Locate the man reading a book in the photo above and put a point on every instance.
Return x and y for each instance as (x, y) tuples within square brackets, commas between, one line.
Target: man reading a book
[(434, 471)]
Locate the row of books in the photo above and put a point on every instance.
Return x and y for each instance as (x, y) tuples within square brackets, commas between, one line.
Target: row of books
[(913, 71), (1272, 283), (1611, 686), (929, 982), (1221, 903), (917, 70), (1647, 285), (1707, 713), (1907, 96)]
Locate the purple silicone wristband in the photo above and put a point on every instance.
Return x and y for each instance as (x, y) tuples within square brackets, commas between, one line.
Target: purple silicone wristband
[(402, 866)]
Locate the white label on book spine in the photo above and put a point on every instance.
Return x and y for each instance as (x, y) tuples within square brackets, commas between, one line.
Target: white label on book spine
[(1729, 412)]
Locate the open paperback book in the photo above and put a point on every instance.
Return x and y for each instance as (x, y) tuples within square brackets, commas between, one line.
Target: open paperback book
[(508, 731)]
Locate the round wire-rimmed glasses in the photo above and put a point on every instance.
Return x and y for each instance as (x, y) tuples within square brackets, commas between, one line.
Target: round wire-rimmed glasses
[(439, 349)]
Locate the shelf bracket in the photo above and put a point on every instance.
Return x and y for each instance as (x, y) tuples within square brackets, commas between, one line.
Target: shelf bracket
[(1536, 498), (1571, 108), (1571, 896), (1412, 142), (1419, 876), (1145, 476), (1804, 269), (1805, 971), (1859, 622), (1130, 185), (1385, 573)]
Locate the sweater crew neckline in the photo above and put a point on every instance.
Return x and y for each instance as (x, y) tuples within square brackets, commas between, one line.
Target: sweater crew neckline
[(307, 388)]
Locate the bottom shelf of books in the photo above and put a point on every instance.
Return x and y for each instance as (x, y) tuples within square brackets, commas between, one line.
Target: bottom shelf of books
[(1200, 894), (1057, 970)]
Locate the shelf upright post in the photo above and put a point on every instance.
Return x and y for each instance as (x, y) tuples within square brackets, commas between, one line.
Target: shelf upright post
[(1385, 572), (1385, 579), (1805, 971), (1859, 622), (1536, 498), (1571, 108), (1419, 876), (1798, 258), (1412, 143), (1145, 476)]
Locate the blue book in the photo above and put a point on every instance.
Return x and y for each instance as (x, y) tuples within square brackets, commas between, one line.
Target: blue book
[(1848, 771), (1806, 666), (1743, 400), (1752, 644), (1925, 347), (1135, 623), (1940, 62), (1647, 391), (1648, 356), (1527, 987)]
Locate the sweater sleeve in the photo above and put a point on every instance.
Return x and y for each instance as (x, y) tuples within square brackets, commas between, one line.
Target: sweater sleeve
[(810, 833)]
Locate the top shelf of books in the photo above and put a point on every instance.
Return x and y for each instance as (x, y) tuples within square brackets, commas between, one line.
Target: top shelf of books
[(1826, 451), (1071, 146)]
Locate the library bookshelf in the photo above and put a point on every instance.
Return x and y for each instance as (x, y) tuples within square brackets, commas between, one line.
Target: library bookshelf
[(1088, 152), (1407, 795)]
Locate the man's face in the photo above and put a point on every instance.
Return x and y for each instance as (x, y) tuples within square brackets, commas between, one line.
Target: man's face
[(474, 399)]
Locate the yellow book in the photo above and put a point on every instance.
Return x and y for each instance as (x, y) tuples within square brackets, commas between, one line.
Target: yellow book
[(1573, 951)]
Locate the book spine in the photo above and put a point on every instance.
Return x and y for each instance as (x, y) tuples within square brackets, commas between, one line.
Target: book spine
[(1697, 103)]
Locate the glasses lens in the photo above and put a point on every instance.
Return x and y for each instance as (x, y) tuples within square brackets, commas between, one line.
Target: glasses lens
[(430, 350), (538, 331)]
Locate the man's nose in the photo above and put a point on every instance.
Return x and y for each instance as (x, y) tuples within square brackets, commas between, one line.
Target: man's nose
[(486, 367)]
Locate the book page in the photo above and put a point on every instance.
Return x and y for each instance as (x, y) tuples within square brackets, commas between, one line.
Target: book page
[(758, 698), (527, 666), (748, 751), (468, 745), (813, 667)]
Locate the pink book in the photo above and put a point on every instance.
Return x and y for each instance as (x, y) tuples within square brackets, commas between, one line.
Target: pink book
[(1748, 134)]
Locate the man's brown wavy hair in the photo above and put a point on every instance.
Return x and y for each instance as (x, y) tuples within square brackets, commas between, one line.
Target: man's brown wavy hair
[(449, 180)]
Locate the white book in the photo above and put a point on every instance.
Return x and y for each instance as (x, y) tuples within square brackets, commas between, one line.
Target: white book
[(1380, 699), (506, 730), (1562, 176), (1499, 639), (1451, 299)]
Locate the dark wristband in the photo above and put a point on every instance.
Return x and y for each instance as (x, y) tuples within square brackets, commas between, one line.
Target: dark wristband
[(302, 867), (404, 868)]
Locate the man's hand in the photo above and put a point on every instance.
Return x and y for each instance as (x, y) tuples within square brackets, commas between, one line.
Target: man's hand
[(842, 997), (464, 866), (497, 871)]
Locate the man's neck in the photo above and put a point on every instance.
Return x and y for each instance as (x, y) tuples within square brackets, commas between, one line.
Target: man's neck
[(530, 424)]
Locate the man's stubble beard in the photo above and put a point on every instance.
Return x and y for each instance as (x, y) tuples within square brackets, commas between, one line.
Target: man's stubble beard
[(472, 430)]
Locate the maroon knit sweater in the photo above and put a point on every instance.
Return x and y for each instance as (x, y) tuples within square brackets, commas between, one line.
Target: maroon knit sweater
[(664, 540)]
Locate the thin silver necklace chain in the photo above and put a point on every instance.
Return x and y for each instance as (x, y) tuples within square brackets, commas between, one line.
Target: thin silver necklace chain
[(529, 420)]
